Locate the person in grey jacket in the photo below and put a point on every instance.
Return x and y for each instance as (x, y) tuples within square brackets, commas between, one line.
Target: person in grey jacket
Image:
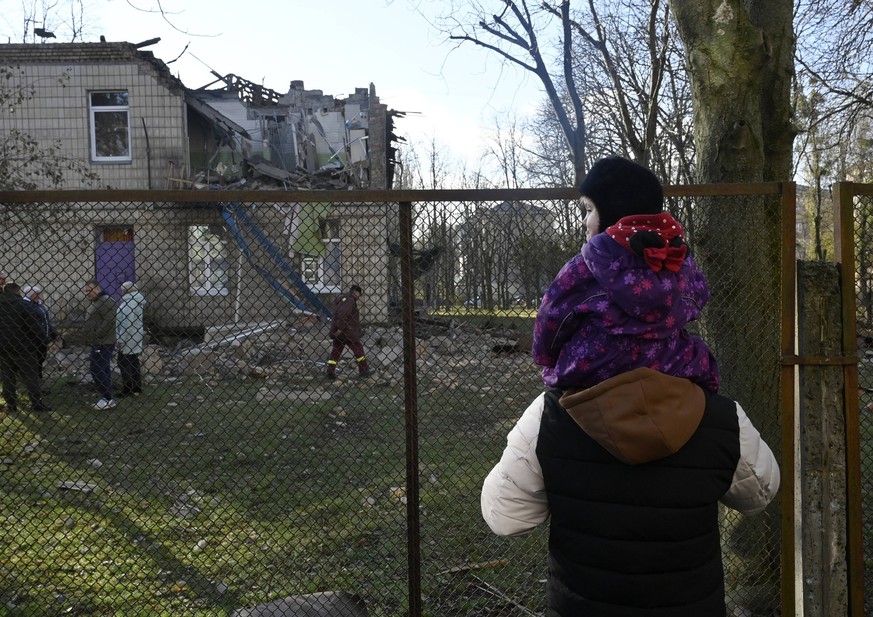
[(98, 331), (130, 334)]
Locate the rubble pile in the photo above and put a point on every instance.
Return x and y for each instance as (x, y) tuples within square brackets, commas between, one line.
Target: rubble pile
[(286, 352)]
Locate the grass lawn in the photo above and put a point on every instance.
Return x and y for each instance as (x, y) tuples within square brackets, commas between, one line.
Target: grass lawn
[(200, 497)]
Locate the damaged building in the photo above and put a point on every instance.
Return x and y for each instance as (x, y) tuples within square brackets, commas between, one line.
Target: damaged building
[(301, 139), (120, 109)]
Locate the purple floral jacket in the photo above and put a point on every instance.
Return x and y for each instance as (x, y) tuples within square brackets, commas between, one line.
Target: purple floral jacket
[(607, 312)]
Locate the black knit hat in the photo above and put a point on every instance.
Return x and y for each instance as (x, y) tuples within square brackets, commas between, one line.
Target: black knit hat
[(619, 187)]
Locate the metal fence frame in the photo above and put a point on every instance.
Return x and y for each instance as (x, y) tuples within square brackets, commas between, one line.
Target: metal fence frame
[(785, 192), (844, 232)]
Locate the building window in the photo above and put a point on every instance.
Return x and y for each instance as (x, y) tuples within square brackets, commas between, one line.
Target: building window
[(110, 126), (208, 262), (322, 272)]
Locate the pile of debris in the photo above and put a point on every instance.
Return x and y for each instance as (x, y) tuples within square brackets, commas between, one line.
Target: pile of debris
[(258, 174)]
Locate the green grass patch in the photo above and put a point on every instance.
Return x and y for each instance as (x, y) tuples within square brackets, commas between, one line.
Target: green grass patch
[(200, 497)]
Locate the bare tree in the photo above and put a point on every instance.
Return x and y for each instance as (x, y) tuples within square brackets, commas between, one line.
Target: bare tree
[(818, 150), (44, 20), (627, 44), (505, 147), (76, 19), (621, 39), (514, 35), (834, 39), (435, 251), (549, 163)]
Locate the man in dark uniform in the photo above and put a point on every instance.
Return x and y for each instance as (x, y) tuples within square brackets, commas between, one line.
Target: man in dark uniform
[(20, 337), (345, 330), (33, 301)]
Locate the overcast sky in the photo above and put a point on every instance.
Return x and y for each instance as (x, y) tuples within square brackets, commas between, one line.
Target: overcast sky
[(332, 45)]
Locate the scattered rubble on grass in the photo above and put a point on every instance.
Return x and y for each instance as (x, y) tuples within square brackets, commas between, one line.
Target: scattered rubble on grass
[(295, 351)]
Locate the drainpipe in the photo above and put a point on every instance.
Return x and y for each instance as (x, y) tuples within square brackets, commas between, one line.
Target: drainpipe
[(148, 151), (236, 300)]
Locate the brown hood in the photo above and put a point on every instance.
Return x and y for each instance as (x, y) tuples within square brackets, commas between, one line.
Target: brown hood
[(639, 416)]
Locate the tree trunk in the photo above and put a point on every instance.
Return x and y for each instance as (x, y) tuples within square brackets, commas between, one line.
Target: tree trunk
[(741, 63), (740, 55)]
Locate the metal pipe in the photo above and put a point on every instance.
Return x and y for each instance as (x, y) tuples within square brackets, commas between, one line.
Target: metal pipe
[(844, 235), (148, 152), (410, 391), (792, 600)]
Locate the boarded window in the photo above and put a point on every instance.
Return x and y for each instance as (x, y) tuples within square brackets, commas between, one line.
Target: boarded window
[(117, 234)]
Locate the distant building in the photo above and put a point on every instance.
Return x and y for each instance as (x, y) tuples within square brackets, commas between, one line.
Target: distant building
[(510, 253)]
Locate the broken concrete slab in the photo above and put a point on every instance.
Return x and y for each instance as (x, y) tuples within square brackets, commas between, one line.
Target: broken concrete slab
[(78, 485), (196, 361), (228, 333), (151, 361), (325, 604), (445, 345)]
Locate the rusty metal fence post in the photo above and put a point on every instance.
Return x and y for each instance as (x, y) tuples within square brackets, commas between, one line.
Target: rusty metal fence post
[(787, 400), (845, 194), (410, 389)]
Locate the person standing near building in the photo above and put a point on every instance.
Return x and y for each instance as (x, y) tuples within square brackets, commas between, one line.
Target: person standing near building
[(19, 338), (33, 299), (98, 331), (345, 331), (130, 335)]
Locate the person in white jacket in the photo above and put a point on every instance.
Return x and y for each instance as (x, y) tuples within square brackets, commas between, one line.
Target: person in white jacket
[(130, 331), (631, 472), (629, 462)]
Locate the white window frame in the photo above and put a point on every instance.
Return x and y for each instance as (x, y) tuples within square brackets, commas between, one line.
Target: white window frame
[(204, 279), (314, 269), (95, 111)]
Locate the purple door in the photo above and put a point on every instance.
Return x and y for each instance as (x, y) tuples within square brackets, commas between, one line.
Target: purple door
[(115, 258)]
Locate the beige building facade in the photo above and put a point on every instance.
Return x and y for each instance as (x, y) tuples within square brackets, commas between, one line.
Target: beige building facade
[(120, 111)]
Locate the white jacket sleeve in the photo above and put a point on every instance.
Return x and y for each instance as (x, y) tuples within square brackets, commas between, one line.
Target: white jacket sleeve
[(756, 478), (514, 495)]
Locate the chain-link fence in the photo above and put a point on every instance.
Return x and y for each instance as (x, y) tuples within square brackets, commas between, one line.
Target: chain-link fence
[(239, 456), (857, 238)]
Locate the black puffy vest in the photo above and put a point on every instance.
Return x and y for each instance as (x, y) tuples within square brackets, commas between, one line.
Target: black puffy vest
[(636, 540)]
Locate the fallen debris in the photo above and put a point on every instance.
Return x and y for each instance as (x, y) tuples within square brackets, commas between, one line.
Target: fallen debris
[(482, 565)]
